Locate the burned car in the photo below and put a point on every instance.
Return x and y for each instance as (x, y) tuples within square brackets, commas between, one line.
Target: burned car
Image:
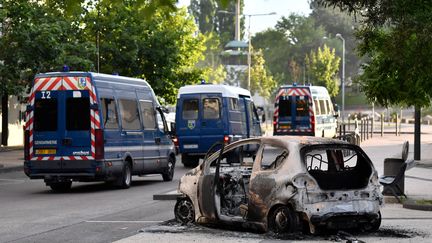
[(289, 184)]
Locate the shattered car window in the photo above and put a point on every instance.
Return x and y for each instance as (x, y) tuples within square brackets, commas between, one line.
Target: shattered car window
[(272, 157), (338, 168)]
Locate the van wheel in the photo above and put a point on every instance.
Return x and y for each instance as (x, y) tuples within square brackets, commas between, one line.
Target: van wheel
[(283, 220), (189, 161), (125, 180), (63, 186), (169, 171)]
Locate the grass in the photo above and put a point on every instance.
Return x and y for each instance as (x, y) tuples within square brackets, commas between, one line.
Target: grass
[(424, 202)]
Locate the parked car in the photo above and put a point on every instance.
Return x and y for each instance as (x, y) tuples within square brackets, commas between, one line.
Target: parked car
[(84, 126), (291, 184), (208, 113)]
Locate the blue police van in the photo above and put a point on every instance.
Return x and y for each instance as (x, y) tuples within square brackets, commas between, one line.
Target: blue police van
[(83, 126), (208, 113)]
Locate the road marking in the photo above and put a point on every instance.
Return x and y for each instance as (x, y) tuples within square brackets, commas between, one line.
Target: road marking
[(123, 221), (418, 178)]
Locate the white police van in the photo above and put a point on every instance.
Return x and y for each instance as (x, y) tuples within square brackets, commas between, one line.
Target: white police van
[(83, 126)]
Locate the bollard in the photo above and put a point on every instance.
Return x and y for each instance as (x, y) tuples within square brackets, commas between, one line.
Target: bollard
[(361, 129), (382, 124), (396, 125), (367, 128), (372, 126)]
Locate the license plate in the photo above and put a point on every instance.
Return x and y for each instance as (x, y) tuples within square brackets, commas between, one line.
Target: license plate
[(285, 126), (190, 146), (45, 151)]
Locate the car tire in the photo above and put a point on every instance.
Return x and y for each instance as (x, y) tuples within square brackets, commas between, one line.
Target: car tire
[(63, 186), (125, 180), (189, 161), (374, 224), (169, 171), (184, 211), (283, 220)]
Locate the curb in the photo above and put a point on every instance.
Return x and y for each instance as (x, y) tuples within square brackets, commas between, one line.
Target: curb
[(411, 204), (10, 168), (10, 148)]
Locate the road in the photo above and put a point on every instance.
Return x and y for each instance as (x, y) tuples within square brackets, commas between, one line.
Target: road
[(95, 212), (91, 212)]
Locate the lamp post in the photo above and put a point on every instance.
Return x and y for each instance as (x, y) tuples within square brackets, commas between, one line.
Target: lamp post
[(343, 75), (249, 58)]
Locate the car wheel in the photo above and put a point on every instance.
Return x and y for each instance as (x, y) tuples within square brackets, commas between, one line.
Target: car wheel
[(184, 211), (125, 180), (283, 220), (190, 161), (169, 171), (374, 224), (63, 186)]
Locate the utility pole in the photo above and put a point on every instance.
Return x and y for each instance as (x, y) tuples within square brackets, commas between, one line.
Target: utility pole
[(237, 21)]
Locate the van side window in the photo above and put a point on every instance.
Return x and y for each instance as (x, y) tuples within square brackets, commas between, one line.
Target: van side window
[(190, 109), (329, 107), (317, 107), (233, 104), (322, 107), (148, 113), (45, 115), (211, 108), (129, 114), (78, 114), (109, 113)]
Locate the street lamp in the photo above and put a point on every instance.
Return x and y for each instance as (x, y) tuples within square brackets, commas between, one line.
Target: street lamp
[(249, 44), (237, 31), (343, 75)]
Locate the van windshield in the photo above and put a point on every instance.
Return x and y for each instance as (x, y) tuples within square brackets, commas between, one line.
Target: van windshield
[(45, 115), (78, 114)]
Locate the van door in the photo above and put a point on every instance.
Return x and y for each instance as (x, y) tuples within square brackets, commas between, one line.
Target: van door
[(294, 113), (75, 142), (150, 140), (212, 127), (188, 123), (131, 130), (46, 130)]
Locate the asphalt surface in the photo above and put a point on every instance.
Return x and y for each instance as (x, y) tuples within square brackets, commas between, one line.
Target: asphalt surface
[(95, 212)]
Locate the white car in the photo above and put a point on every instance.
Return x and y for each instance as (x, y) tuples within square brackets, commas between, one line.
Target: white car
[(290, 184)]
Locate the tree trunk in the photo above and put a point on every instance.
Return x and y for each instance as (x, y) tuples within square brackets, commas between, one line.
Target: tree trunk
[(5, 116), (417, 117)]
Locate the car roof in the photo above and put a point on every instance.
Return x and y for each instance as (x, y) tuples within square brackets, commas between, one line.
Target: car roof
[(300, 140)]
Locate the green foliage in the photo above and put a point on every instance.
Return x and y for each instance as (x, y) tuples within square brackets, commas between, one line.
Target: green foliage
[(286, 46), (36, 38), (260, 81), (162, 50), (395, 36), (214, 71), (322, 67)]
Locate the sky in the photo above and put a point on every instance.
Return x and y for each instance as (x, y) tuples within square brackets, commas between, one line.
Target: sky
[(281, 7)]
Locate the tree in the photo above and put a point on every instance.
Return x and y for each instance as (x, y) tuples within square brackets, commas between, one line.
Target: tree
[(291, 40), (322, 67), (395, 36), (260, 81), (35, 38)]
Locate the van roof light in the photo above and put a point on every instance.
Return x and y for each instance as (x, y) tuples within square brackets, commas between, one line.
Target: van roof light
[(203, 81), (295, 84), (66, 68)]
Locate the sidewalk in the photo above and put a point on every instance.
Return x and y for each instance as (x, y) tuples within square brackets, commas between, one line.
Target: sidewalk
[(11, 159)]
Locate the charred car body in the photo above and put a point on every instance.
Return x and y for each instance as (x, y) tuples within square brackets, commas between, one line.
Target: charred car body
[(290, 184)]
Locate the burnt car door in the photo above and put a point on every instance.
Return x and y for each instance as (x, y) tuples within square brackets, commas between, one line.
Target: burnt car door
[(224, 185), (263, 183)]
